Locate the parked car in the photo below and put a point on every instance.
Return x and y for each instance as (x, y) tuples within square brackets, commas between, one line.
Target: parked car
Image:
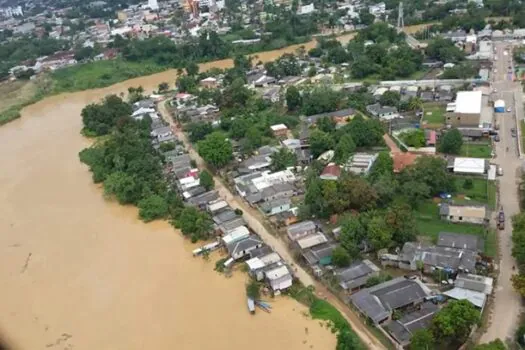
[(509, 109), (513, 132), (496, 138)]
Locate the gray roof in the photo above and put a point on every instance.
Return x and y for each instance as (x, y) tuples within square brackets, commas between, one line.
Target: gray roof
[(204, 198), (301, 227), (267, 206), (443, 257), (356, 274), (147, 103), (377, 302), (458, 240), (404, 328), (225, 216), (195, 191), (247, 243), (261, 251), (276, 189), (377, 109), (232, 224), (312, 119), (315, 254)]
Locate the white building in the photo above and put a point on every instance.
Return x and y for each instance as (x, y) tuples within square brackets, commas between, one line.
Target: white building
[(153, 5), (280, 278), (474, 166)]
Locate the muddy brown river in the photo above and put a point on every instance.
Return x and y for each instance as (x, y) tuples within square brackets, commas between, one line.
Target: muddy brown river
[(79, 272)]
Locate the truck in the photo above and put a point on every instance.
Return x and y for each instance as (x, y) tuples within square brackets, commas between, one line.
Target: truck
[(501, 220)]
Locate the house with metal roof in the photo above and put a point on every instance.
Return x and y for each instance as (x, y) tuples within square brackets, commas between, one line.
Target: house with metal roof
[(460, 241), (311, 240), (378, 302), (354, 277), (320, 254), (472, 214), (279, 277), (241, 248), (404, 328), (301, 229)]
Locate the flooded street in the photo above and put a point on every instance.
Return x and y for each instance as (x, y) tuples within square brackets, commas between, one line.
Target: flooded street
[(78, 272)]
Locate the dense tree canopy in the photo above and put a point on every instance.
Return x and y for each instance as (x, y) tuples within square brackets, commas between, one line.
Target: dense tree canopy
[(216, 149), (100, 118), (451, 142)]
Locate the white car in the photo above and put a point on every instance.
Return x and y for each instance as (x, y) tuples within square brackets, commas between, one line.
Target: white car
[(509, 109)]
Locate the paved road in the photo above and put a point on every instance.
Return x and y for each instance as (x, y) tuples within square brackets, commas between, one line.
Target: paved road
[(254, 219), (507, 303)]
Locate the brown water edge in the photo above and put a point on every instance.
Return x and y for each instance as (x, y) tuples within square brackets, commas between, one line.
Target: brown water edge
[(79, 271)]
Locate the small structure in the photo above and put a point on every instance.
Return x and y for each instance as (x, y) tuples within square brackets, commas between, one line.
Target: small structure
[(331, 172), (279, 278), (473, 214), (229, 226), (499, 106), (300, 230), (482, 284), (476, 298), (258, 264), (402, 160), (209, 83), (360, 163), (403, 329), (279, 130), (460, 241), (236, 235), (276, 206), (468, 109), (382, 112), (319, 255)]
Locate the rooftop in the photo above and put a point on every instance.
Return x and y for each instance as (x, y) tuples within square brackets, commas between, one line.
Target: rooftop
[(470, 211), (468, 102), (458, 240)]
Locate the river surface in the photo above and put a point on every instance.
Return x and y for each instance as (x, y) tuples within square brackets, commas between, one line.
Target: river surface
[(79, 272)]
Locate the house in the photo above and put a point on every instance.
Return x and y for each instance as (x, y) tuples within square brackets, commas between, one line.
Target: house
[(378, 302), (430, 138), (258, 264), (382, 112), (468, 109), (402, 160), (354, 277), (331, 172), (235, 235), (360, 163), (320, 254), (209, 83), (257, 163), (241, 248), (287, 218), (473, 214), (433, 257), (276, 206), (217, 206), (471, 166), (277, 191), (161, 132), (304, 156), (457, 36), (279, 278), (203, 199), (231, 225), (279, 130), (481, 284), (470, 134), (340, 116), (224, 216), (460, 241), (404, 328), (301, 230), (311, 240), (292, 144), (478, 299), (427, 96), (411, 91)]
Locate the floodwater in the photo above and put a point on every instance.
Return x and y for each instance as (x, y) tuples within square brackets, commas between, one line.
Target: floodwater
[(78, 272)]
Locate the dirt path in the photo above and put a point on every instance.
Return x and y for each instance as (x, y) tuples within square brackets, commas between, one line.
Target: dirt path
[(254, 219)]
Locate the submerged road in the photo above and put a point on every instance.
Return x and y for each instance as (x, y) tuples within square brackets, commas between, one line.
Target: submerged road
[(507, 303), (254, 219)]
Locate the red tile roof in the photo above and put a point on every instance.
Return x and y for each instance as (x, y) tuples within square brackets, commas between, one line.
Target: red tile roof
[(332, 170), (402, 160)]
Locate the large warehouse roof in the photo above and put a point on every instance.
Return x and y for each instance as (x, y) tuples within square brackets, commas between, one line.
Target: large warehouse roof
[(468, 102)]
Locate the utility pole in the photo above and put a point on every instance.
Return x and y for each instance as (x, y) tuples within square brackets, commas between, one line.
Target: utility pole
[(400, 20)]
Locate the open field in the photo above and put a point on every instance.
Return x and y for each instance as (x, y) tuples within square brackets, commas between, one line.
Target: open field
[(482, 191), (434, 116), (476, 150)]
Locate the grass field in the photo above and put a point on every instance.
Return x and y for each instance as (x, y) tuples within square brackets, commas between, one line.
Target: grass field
[(429, 225), (16, 95), (482, 191), (476, 150), (100, 74), (434, 115)]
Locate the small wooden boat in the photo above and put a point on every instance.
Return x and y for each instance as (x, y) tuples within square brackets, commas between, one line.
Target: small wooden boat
[(263, 306), (251, 305)]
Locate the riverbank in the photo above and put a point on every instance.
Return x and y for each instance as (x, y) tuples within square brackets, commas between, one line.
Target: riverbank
[(83, 272)]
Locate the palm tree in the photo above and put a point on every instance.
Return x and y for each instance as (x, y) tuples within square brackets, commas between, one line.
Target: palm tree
[(415, 103)]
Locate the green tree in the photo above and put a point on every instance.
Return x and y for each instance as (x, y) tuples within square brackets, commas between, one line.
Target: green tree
[(163, 87), (99, 119), (194, 223), (320, 142), (468, 184), (121, 186), (347, 340), (493, 345), (379, 233), (153, 207), (352, 234), (186, 83), (451, 142), (452, 324), (414, 138), (401, 220), (390, 98), (253, 290), (293, 98), (206, 180), (415, 192), (215, 149), (357, 193), (518, 282), (235, 95), (340, 257), (198, 130), (422, 339), (384, 165), (283, 159), (192, 69), (444, 50), (345, 147), (431, 171), (326, 124)]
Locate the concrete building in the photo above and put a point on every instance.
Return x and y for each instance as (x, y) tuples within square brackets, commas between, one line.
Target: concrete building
[(467, 112), (472, 214)]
